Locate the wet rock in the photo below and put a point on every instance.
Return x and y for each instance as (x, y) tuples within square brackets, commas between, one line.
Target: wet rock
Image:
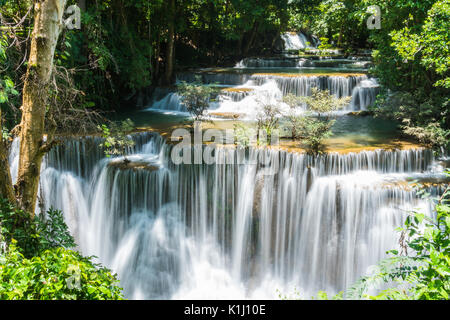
[(133, 165)]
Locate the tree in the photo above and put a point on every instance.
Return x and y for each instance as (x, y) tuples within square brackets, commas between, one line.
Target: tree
[(196, 97), (315, 125), (48, 24), (429, 46), (6, 88), (170, 43), (117, 139), (267, 122)]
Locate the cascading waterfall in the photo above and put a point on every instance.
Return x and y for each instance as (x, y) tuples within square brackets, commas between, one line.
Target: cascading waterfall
[(297, 41), (364, 94), (235, 95), (265, 63), (268, 220), (270, 88), (251, 73), (171, 102), (340, 86)]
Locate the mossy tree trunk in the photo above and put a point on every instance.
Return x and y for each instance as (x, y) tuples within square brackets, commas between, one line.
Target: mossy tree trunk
[(48, 24), (6, 187)]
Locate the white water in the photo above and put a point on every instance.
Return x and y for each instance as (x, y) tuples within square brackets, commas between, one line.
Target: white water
[(271, 88), (296, 41), (232, 231)]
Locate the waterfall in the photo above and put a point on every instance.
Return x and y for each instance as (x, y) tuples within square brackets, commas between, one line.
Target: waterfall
[(270, 63), (364, 94), (171, 102), (341, 86), (297, 41), (268, 220), (246, 97)]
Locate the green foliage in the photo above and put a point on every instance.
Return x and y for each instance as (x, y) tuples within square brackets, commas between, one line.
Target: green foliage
[(430, 44), (53, 231), (342, 22), (322, 102), (243, 134), (33, 236), (7, 87), (314, 126), (321, 295), (412, 59), (432, 135), (267, 124), (424, 118), (424, 272), (117, 139), (196, 97), (56, 274), (36, 263), (324, 46)]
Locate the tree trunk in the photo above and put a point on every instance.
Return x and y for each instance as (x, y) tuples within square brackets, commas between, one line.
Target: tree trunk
[(170, 44), (6, 187), (82, 5), (253, 33), (48, 24), (156, 77)]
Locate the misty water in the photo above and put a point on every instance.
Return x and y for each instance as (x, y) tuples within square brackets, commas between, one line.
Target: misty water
[(256, 221)]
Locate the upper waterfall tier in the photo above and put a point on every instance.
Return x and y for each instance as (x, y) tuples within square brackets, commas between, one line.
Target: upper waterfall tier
[(303, 63), (300, 85), (297, 41), (250, 90)]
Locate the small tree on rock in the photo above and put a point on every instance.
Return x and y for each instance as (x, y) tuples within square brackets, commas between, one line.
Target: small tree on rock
[(314, 126)]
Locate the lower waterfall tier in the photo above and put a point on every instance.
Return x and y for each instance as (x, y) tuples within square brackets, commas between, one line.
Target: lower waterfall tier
[(270, 220)]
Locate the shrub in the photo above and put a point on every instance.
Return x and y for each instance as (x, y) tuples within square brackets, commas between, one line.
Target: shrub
[(33, 236), (196, 97), (243, 135), (117, 139), (313, 127), (423, 118), (55, 275), (267, 122), (36, 263)]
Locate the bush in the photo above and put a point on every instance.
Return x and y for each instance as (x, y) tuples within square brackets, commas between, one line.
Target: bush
[(117, 139), (243, 135), (267, 123), (36, 263), (54, 275), (196, 97), (313, 127), (423, 118), (33, 236)]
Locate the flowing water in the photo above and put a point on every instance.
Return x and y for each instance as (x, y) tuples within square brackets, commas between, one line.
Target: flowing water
[(256, 81), (252, 222)]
